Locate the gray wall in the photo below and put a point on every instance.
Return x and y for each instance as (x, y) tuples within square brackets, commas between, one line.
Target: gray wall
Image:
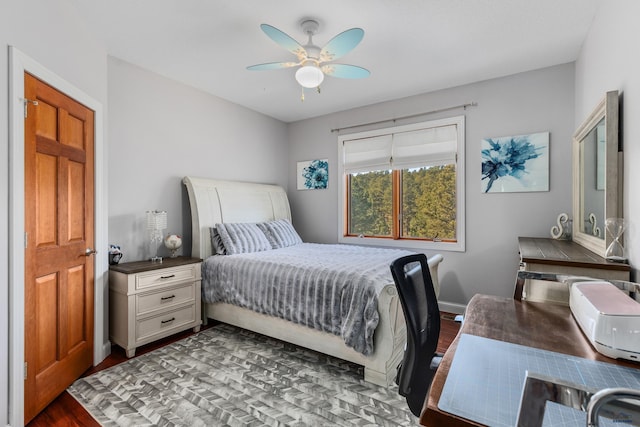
[(530, 102), (48, 32), (605, 63), (160, 131)]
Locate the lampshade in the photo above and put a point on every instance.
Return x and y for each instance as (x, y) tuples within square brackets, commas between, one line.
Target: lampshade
[(309, 76), (156, 220)]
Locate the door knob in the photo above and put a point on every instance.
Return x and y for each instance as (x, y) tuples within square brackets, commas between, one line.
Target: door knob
[(89, 252)]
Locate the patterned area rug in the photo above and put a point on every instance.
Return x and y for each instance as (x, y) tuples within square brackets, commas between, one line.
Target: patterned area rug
[(229, 376)]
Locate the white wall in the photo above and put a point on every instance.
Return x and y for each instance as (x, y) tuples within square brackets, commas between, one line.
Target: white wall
[(530, 102), (48, 32), (609, 61), (160, 131)]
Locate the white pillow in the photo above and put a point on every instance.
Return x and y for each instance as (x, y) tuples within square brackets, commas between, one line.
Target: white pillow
[(280, 233), (239, 238)]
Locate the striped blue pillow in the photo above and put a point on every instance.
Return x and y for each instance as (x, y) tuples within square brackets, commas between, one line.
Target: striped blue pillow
[(280, 233), (241, 238), (216, 242)]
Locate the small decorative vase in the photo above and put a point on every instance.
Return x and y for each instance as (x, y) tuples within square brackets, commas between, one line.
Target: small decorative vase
[(173, 242), (115, 254)]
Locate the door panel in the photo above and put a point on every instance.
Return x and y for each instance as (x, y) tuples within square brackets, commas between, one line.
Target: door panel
[(75, 202), (75, 297), (48, 120), (47, 291), (59, 221), (47, 214)]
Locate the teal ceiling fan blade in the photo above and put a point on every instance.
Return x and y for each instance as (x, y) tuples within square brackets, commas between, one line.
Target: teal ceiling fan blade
[(272, 66), (285, 41), (341, 44), (345, 71)]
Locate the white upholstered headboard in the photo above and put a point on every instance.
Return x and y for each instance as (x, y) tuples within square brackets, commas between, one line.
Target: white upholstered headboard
[(215, 201)]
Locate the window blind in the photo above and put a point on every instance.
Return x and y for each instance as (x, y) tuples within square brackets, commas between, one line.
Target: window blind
[(435, 146), (425, 147), (367, 154)]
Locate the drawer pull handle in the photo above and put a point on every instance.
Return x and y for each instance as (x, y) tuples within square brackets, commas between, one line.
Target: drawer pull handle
[(167, 298), (164, 322), (168, 277)]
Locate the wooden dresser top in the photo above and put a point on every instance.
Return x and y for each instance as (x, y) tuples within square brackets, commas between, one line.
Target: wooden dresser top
[(140, 266), (563, 252)]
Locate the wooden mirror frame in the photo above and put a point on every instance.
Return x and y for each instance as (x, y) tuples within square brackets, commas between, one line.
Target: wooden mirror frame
[(607, 109)]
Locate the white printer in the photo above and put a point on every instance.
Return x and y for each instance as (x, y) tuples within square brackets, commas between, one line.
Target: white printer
[(609, 317)]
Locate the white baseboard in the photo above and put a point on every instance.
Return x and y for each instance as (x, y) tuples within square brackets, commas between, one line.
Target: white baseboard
[(451, 307)]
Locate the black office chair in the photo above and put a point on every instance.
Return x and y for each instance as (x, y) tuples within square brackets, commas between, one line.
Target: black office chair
[(422, 315)]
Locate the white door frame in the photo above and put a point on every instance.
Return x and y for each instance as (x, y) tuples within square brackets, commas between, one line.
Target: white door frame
[(19, 63)]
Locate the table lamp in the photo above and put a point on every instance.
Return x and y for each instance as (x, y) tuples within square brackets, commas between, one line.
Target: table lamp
[(156, 222)]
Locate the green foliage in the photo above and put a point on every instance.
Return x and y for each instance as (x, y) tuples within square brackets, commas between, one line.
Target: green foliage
[(428, 203), (371, 204)]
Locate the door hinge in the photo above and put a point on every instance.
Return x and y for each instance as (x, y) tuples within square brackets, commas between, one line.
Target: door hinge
[(25, 370), (25, 103), (26, 239)]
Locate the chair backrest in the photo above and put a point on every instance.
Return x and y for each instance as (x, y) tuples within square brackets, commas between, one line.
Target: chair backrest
[(422, 315)]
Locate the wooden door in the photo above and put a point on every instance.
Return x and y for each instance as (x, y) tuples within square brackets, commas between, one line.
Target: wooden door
[(59, 223)]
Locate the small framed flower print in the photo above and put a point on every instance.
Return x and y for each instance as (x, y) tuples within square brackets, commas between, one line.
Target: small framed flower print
[(313, 174)]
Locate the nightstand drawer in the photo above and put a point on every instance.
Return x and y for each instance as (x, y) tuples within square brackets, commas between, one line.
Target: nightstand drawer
[(160, 325), (164, 300), (166, 276)]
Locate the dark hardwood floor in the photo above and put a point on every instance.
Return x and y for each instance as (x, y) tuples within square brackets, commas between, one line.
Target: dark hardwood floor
[(448, 331), (66, 411)]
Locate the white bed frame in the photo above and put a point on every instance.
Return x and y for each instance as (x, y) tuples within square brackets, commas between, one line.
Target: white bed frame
[(215, 201)]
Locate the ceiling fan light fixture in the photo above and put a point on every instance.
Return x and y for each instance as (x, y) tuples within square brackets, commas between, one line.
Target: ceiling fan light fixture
[(309, 76), (315, 62)]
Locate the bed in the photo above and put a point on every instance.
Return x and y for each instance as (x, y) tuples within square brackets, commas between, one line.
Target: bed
[(230, 202)]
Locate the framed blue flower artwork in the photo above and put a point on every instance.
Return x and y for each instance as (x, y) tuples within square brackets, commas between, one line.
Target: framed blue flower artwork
[(515, 163), (313, 174)]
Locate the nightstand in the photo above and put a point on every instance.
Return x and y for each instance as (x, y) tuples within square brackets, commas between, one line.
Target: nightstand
[(150, 300)]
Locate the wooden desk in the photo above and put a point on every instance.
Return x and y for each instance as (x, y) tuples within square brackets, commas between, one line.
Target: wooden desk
[(541, 325)]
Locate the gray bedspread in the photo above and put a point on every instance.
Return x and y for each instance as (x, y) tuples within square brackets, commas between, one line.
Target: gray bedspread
[(333, 288)]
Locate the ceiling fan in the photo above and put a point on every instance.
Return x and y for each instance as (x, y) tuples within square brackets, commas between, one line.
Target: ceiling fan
[(315, 62)]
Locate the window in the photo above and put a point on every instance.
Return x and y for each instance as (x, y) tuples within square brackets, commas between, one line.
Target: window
[(404, 186)]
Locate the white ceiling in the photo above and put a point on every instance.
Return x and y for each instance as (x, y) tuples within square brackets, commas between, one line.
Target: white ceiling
[(410, 46)]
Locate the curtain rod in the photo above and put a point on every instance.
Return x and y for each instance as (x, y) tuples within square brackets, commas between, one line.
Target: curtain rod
[(469, 104)]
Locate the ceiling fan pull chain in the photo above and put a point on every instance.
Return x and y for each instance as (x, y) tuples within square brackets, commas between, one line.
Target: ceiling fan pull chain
[(318, 89)]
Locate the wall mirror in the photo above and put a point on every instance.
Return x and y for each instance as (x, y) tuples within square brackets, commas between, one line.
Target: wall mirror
[(597, 179)]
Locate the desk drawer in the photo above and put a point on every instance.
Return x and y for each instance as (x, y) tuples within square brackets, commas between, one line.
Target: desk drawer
[(166, 276), (556, 292), (165, 299), (166, 323)]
